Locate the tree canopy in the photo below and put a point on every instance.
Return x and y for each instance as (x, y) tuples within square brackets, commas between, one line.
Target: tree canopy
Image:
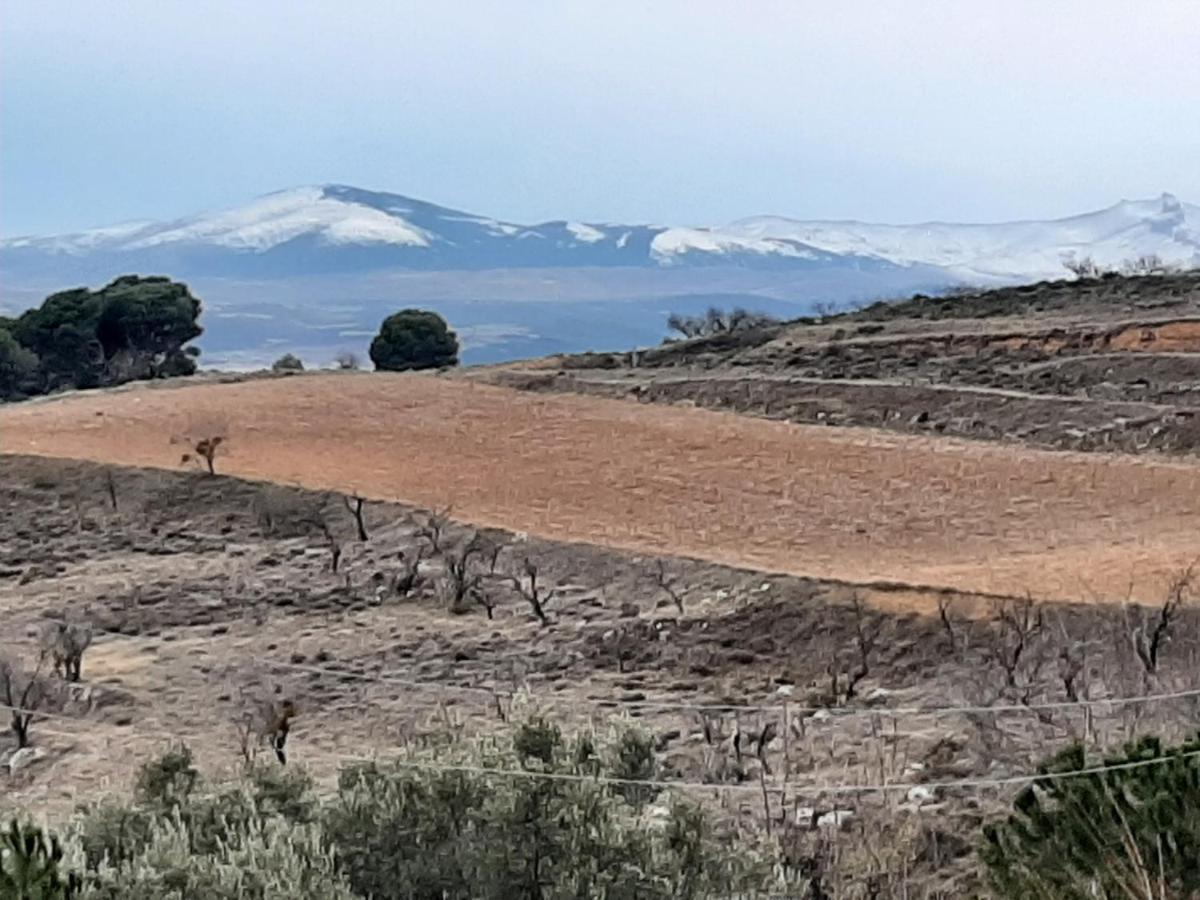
[(136, 327), (414, 339)]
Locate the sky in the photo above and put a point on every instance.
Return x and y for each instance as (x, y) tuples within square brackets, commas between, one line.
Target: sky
[(664, 112)]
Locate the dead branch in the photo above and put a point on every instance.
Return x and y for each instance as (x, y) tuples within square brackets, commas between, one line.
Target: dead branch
[(354, 505)]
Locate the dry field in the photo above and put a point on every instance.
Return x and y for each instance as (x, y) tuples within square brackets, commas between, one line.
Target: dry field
[(847, 504)]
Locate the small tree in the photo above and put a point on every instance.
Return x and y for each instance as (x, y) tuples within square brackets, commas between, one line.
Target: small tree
[(414, 339), (24, 694), (1122, 832), (31, 865), (347, 361), (354, 505), (535, 595), (288, 363), (205, 439), (18, 367)]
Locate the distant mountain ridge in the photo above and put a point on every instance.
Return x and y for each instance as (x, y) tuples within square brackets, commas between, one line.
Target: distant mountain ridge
[(338, 228), (313, 270)]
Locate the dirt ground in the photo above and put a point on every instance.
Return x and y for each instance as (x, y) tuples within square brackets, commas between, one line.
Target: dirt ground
[(201, 604), (848, 503)]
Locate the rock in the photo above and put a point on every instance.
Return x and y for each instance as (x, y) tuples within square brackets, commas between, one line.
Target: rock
[(26, 756), (919, 794), (785, 690), (629, 611), (837, 818)]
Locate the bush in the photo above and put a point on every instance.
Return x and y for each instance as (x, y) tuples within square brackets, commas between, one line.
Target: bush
[(402, 831), (18, 368), (414, 339), (410, 828), (717, 321), (31, 866), (1097, 835), (287, 363)]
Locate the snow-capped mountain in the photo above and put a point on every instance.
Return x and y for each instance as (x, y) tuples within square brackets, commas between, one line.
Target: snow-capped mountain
[(313, 270), (336, 228), (1006, 251)]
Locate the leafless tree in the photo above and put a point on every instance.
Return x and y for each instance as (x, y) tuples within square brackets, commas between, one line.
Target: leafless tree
[(866, 634), (110, 487), (1015, 622), (537, 597), (1085, 267), (460, 583), (1150, 630), (334, 543), (64, 644), (409, 577), (667, 582), (433, 527), (24, 694), (354, 505), (944, 601), (347, 361)]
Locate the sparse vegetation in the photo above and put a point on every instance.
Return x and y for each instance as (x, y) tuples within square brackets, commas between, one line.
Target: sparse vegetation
[(717, 321), (24, 694)]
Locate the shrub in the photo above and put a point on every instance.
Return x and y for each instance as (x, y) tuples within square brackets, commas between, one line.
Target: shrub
[(414, 339), (444, 827), (31, 865), (403, 831), (18, 368), (261, 859), (1105, 834), (717, 321), (287, 363)]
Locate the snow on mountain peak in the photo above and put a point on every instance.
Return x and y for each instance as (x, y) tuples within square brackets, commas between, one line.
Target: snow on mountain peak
[(307, 225), (285, 215)]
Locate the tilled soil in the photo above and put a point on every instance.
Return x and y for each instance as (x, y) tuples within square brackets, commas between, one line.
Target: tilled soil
[(846, 504)]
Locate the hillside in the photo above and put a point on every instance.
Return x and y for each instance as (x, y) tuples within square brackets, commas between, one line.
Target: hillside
[(851, 646), (1096, 364)]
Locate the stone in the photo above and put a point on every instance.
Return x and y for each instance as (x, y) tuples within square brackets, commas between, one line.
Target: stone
[(26, 756)]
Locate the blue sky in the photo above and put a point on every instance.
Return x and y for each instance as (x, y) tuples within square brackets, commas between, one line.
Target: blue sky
[(682, 112)]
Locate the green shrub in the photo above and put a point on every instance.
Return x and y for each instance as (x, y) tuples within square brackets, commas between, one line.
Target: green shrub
[(270, 859), (288, 363), (414, 339), (31, 866), (404, 831), (167, 781), (419, 827), (18, 368), (633, 758), (1105, 834)]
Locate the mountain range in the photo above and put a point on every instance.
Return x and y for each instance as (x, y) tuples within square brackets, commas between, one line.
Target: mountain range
[(327, 259)]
